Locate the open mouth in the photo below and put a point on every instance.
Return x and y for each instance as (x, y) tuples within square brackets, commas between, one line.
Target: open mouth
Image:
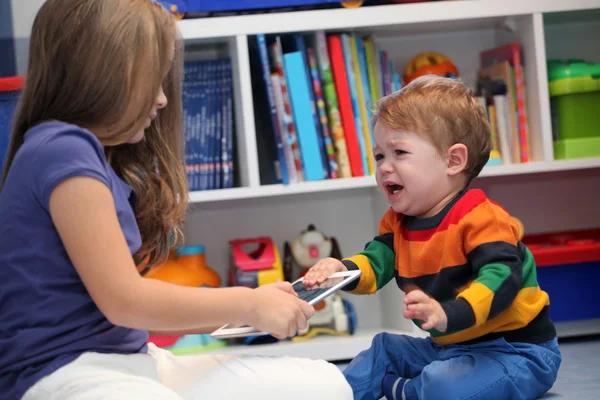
[(394, 188)]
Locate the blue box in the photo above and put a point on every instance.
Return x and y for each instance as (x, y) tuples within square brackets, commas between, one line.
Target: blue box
[(10, 90), (572, 289)]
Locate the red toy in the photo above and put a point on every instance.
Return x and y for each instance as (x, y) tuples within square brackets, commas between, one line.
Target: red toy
[(254, 262)]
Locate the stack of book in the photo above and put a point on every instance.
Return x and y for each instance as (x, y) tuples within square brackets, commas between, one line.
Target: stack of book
[(312, 98), (501, 92), (208, 123)]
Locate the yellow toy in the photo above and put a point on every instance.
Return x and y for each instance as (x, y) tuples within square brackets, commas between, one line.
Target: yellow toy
[(429, 63)]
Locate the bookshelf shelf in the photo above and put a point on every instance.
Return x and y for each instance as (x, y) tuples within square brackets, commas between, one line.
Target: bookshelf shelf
[(332, 185)]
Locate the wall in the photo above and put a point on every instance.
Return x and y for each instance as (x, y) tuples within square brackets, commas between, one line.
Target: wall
[(7, 51), (23, 14)]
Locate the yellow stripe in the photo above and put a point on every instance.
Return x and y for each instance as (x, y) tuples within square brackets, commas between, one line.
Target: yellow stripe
[(367, 283), (526, 306), (480, 298)]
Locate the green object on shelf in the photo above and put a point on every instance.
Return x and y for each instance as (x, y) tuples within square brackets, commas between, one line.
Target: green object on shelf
[(577, 148), (574, 87)]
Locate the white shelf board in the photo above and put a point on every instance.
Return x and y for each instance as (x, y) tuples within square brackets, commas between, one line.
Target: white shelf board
[(541, 167), (330, 348), (428, 15), (279, 190), (330, 185)]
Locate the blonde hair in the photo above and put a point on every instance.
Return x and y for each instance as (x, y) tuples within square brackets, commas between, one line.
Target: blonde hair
[(444, 111), (101, 64)]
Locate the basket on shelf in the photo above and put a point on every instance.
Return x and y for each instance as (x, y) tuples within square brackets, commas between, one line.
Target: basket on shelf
[(10, 89)]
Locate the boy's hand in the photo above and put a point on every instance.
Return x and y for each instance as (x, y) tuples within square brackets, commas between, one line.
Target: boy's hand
[(322, 270), (420, 306)]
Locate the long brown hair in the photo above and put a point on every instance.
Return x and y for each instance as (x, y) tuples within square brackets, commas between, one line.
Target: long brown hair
[(100, 65)]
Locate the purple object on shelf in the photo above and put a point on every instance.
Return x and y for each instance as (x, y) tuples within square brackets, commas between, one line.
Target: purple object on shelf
[(190, 6)]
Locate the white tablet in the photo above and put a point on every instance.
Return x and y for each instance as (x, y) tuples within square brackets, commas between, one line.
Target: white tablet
[(334, 283)]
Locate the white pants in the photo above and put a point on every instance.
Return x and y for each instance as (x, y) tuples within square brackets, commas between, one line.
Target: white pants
[(162, 375)]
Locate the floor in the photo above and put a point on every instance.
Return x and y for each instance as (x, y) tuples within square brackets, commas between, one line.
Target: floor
[(579, 374)]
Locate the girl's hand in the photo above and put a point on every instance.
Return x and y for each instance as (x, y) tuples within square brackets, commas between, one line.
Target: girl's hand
[(322, 270), (277, 309), (420, 306)]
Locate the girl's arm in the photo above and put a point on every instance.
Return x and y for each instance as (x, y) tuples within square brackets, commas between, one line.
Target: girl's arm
[(83, 212)]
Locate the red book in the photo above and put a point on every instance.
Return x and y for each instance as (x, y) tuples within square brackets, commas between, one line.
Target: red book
[(338, 67)]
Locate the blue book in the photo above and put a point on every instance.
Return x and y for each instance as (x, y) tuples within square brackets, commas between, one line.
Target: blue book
[(228, 167), (301, 47), (298, 85)]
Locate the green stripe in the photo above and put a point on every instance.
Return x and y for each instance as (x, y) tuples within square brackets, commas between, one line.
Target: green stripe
[(529, 271), (492, 275), (382, 260)]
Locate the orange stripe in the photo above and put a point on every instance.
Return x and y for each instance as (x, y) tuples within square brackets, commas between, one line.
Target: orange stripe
[(527, 305), (488, 223), (367, 283), (468, 202), (390, 222), (443, 250)]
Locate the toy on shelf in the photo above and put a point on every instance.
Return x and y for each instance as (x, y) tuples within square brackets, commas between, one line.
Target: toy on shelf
[(429, 63), (574, 87), (333, 315), (186, 267), (254, 262)]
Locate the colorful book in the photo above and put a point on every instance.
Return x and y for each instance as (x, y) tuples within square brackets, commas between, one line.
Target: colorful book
[(354, 101), (323, 119), (289, 155), (338, 67), (271, 157), (331, 102), (502, 72), (292, 138), (512, 53), (362, 104)]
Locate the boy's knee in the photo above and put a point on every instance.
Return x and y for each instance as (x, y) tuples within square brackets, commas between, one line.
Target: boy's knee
[(437, 378)]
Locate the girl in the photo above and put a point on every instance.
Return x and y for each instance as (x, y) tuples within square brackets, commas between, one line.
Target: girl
[(94, 185)]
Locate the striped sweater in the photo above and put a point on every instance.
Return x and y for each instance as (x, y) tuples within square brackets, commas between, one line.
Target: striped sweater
[(470, 259)]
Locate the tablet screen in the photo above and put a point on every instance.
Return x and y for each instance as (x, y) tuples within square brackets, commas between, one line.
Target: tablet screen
[(308, 295)]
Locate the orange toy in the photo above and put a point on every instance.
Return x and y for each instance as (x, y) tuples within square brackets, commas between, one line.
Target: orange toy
[(187, 267), (429, 63)]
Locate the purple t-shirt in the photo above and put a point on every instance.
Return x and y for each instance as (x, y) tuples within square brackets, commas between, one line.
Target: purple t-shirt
[(47, 317)]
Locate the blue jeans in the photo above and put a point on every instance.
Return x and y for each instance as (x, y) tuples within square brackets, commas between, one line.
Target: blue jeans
[(488, 370)]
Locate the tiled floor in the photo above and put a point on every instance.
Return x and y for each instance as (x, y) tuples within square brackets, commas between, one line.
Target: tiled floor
[(579, 374)]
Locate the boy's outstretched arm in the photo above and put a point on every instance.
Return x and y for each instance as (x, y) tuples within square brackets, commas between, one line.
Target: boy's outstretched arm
[(491, 242), (377, 261)]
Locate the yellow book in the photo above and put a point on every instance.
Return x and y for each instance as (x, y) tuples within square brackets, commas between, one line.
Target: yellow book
[(374, 79), (362, 106)]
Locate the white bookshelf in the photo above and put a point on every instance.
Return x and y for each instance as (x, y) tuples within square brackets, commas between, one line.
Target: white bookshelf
[(546, 194)]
